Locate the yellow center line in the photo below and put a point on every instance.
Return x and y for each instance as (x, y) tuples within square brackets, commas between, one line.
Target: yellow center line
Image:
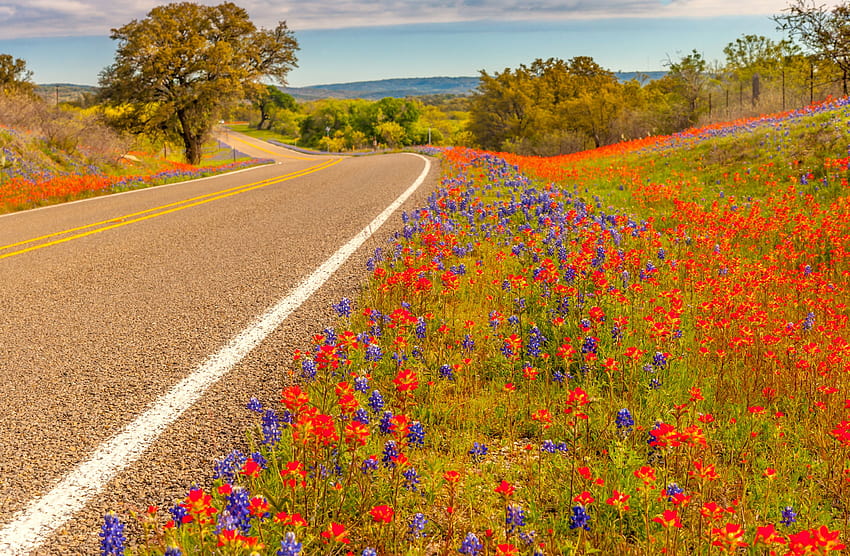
[(140, 216), (269, 151)]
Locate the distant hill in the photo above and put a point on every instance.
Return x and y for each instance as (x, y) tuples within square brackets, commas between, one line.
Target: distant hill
[(416, 86), (369, 90), (65, 92)]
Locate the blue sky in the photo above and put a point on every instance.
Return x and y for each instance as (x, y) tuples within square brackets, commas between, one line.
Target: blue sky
[(68, 41)]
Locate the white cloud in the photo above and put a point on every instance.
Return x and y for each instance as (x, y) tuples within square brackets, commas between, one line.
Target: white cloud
[(34, 18)]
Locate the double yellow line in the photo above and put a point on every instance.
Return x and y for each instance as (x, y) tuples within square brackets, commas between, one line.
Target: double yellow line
[(70, 234)]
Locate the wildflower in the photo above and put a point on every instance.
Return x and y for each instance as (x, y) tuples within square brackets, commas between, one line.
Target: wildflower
[(477, 452), (343, 308), (416, 527), (369, 464), (376, 401), (289, 546), (729, 538), (237, 512), (271, 428), (768, 535), (505, 488), (506, 550), (254, 405), (406, 380), (411, 479), (368, 551), (416, 434), (361, 384), (514, 517), (789, 516), (618, 500), (471, 545), (669, 518), (624, 422), (390, 454), (386, 423), (584, 498), (335, 532), (382, 514), (112, 536), (447, 372), (579, 518)]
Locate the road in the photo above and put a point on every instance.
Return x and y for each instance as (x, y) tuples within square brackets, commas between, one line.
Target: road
[(120, 298)]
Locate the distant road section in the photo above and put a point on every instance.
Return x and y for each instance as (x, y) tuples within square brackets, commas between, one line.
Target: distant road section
[(137, 326)]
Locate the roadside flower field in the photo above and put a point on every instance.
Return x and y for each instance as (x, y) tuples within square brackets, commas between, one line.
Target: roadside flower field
[(24, 185), (638, 350)]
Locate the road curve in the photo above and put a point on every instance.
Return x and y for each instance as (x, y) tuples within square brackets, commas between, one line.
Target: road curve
[(100, 321)]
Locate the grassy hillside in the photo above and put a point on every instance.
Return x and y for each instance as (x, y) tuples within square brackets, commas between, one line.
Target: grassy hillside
[(641, 349)]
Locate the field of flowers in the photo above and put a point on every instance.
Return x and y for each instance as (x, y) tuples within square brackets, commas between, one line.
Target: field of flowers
[(32, 178), (637, 350)]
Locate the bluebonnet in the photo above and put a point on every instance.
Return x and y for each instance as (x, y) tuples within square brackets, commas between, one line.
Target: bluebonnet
[(289, 546), (551, 447), (789, 516), (369, 464), (477, 452), (259, 459), (343, 308), (809, 321), (271, 428), (308, 369), (580, 519), (672, 490), (369, 552), (390, 454), (254, 405), (112, 536), (528, 538), (330, 336), (411, 479), (385, 426), (624, 422), (178, 512), (421, 328), (590, 345), (536, 340), (361, 384), (468, 343), (471, 545), (361, 416), (659, 359), (513, 319), (416, 527), (227, 467), (447, 372), (373, 353), (236, 513), (173, 551), (376, 401), (514, 517), (416, 434)]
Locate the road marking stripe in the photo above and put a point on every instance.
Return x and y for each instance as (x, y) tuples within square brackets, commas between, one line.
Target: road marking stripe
[(35, 523), (118, 221), (276, 153)]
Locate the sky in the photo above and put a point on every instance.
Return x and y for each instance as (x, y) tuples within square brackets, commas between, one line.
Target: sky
[(67, 41)]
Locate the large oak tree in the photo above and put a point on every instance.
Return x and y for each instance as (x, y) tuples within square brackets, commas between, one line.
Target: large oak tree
[(176, 70)]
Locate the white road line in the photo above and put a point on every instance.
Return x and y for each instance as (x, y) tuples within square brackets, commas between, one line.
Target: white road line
[(35, 523)]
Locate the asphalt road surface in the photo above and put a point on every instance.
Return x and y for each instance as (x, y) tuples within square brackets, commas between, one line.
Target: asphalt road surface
[(107, 304)]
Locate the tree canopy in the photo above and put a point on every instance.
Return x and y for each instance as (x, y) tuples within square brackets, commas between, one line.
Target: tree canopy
[(178, 68), (15, 78), (824, 32)]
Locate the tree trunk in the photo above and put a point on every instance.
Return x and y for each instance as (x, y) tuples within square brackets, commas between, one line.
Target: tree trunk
[(192, 142)]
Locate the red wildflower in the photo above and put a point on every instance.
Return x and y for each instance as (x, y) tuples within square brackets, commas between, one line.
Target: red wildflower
[(336, 532), (382, 514)]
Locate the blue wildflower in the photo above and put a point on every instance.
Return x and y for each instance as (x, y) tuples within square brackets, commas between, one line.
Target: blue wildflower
[(289, 546), (112, 536), (254, 405), (376, 401), (416, 434), (580, 519), (471, 545), (477, 452), (271, 428), (416, 527), (789, 516)]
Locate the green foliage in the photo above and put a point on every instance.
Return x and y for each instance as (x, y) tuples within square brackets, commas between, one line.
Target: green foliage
[(181, 66), (15, 78), (355, 124), (552, 107)]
